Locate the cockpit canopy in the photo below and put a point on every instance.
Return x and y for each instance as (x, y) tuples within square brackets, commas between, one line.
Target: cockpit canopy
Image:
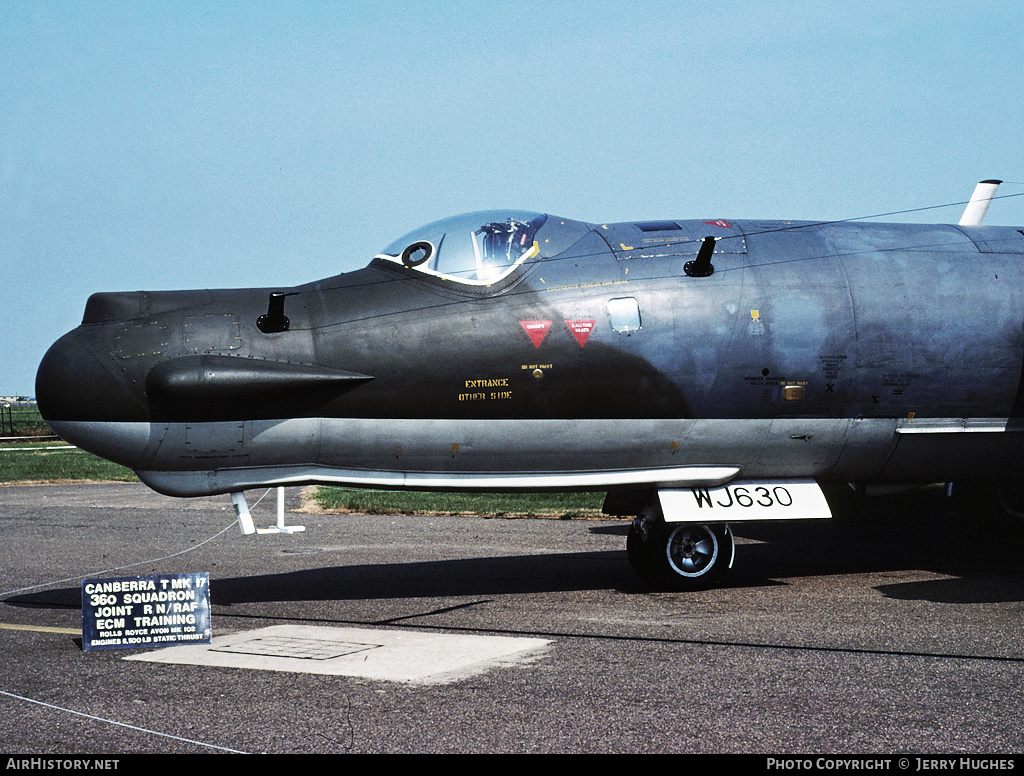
[(475, 249)]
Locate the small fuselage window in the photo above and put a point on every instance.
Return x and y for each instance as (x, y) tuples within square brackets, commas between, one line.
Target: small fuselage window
[(624, 314)]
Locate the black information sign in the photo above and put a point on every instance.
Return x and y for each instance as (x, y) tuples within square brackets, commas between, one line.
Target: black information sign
[(129, 612)]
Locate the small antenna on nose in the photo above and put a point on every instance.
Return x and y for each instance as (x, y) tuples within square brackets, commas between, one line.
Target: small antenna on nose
[(275, 320)]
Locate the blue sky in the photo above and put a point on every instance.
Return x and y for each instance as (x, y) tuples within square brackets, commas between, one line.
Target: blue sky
[(168, 145)]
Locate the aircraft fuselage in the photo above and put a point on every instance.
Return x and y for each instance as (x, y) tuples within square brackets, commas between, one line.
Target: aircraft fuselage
[(841, 352)]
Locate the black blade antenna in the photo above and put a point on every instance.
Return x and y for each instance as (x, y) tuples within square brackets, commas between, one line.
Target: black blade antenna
[(275, 320), (701, 267)]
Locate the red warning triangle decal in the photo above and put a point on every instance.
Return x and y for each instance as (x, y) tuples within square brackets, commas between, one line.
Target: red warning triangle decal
[(581, 330), (536, 330)]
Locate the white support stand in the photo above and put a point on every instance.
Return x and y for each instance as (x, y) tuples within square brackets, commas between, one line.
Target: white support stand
[(281, 527), (245, 518)]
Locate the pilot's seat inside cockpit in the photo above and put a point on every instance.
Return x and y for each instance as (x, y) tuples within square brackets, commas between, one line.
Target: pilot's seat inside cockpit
[(476, 249)]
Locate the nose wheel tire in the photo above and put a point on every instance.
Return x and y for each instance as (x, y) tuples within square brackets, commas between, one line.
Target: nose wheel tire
[(678, 556)]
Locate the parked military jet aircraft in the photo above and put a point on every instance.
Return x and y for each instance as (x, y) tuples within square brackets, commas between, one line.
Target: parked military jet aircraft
[(701, 372)]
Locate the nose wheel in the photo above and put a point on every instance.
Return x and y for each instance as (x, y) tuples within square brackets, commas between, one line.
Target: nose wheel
[(678, 556)]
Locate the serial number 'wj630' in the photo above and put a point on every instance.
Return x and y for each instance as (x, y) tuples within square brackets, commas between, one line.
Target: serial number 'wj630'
[(738, 501)]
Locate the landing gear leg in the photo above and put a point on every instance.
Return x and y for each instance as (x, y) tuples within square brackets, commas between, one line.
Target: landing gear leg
[(678, 556)]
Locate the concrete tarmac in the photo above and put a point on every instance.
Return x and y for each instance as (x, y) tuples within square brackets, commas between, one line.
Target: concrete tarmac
[(892, 629)]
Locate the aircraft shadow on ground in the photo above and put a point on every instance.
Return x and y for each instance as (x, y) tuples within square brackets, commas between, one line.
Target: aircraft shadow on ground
[(509, 575), (971, 541), (978, 551)]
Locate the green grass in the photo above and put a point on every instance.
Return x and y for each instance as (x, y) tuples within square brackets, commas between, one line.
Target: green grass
[(22, 420), (557, 505), (53, 461), (22, 459)]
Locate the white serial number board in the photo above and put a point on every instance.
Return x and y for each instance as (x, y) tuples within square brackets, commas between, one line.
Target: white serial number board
[(746, 500)]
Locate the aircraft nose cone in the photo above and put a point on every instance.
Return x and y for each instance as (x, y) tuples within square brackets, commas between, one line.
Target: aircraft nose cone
[(76, 381)]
